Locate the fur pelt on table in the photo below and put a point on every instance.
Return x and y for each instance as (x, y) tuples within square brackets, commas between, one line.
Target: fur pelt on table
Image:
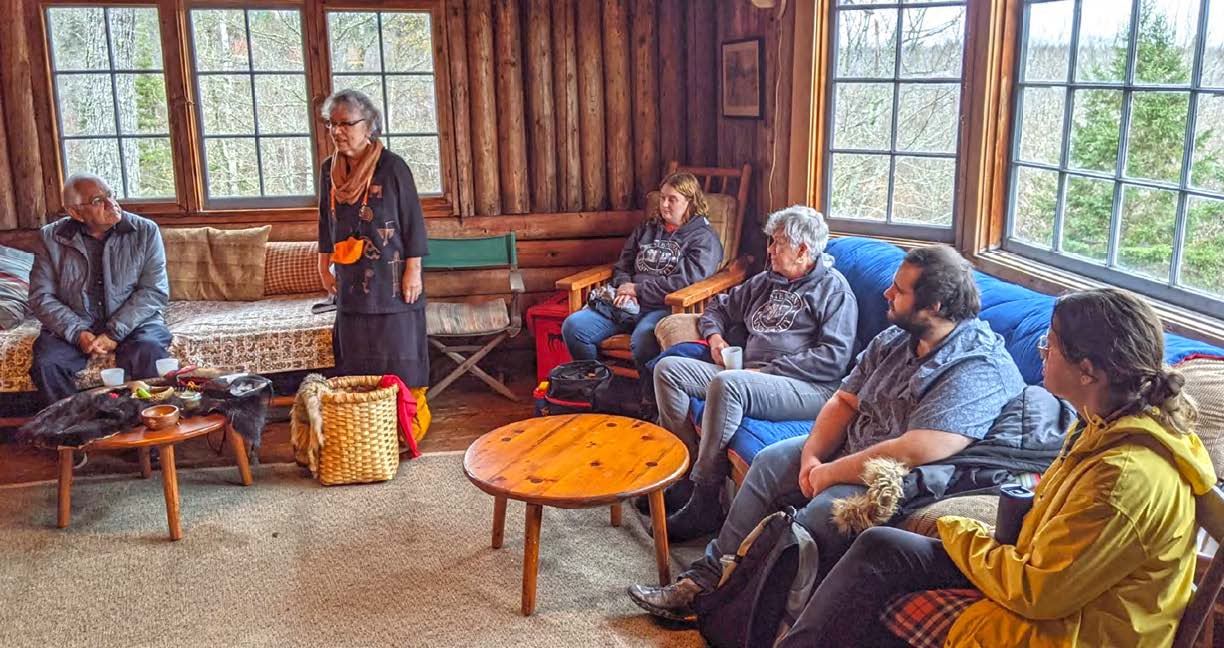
[(88, 416)]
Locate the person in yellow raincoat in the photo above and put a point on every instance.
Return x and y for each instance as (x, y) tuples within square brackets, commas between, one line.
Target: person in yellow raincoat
[(1106, 555)]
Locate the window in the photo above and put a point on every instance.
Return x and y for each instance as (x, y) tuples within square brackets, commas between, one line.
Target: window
[(1118, 145), (254, 116), (895, 103), (106, 67), (389, 57)]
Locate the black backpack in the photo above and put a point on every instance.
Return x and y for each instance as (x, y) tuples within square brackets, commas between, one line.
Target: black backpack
[(589, 386), (764, 585)]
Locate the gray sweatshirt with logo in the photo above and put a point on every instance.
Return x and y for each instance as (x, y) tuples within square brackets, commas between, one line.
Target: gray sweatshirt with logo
[(803, 328), (659, 262)]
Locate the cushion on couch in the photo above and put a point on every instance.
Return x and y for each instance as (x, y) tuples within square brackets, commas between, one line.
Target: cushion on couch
[(1205, 384), (292, 268), (15, 268), (210, 264)]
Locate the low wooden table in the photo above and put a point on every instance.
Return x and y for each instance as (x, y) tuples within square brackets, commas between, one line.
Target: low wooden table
[(575, 461), (142, 439)]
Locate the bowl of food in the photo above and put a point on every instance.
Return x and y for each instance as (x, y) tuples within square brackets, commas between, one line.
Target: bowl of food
[(160, 393), (160, 417), (191, 399)]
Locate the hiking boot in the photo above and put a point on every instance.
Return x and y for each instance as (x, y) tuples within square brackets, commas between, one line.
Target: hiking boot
[(703, 515), (674, 498), (672, 602)]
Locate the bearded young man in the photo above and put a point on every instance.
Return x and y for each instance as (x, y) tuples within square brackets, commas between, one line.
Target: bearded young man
[(922, 390)]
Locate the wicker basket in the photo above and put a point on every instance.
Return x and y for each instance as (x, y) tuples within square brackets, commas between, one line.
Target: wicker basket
[(360, 442)]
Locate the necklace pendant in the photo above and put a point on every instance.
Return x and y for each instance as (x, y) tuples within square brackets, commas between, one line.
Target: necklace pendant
[(367, 214)]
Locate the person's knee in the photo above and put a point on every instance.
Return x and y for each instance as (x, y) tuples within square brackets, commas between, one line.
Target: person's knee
[(875, 542), (666, 370), (727, 386)]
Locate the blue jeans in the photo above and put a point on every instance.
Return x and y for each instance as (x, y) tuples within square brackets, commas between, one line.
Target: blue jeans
[(585, 329), (56, 361)]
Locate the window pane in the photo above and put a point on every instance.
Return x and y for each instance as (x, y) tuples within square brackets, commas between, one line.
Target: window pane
[(1203, 256), (219, 39), (860, 186), (86, 104), (1041, 118), (1213, 55), (407, 42), (410, 104), (1047, 52), (287, 166), (78, 38), (1167, 34), (863, 116), (1095, 130), (370, 85), (1207, 170), (1157, 135), (97, 156), (929, 114), (281, 102), (421, 154), (1086, 217), (137, 39), (867, 42), (1033, 213), (931, 41), (923, 190), (276, 40), (150, 167), (1104, 31), (232, 171), (353, 37), (225, 101), (142, 104), (1148, 219)]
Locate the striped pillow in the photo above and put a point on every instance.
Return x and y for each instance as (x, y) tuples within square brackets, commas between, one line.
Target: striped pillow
[(15, 268), (292, 267)]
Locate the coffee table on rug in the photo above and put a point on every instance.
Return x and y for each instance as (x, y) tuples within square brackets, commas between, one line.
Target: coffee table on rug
[(142, 439), (575, 461)]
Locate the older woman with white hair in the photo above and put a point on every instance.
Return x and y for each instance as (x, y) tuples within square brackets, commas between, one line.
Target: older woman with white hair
[(796, 324)]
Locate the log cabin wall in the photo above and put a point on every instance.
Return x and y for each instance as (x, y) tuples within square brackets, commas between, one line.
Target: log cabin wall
[(563, 115)]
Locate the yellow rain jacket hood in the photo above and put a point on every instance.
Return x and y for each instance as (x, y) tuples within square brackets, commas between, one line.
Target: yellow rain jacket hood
[(1106, 555)]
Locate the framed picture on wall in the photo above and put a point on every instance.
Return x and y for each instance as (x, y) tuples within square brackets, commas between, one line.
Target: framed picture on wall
[(743, 79)]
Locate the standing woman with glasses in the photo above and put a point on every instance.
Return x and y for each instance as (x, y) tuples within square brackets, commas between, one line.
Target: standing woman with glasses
[(372, 230)]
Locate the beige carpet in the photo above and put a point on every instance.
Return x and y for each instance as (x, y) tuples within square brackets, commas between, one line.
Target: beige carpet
[(286, 562)]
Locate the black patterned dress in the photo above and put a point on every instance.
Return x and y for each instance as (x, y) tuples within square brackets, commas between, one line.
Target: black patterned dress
[(376, 331)]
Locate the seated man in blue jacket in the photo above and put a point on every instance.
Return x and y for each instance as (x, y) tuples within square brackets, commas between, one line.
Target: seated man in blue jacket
[(800, 318), (98, 286)]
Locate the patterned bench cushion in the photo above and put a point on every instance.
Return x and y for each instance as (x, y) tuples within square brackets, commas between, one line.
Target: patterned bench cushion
[(924, 618)]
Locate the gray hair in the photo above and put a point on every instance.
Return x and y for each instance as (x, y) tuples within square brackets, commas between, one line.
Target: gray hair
[(358, 101), (800, 224), (70, 196)]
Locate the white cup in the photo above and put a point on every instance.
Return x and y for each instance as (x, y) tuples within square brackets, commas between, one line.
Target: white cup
[(112, 377), (166, 365), (733, 357)]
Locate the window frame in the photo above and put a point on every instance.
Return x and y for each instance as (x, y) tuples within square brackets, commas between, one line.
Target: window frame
[(189, 206)]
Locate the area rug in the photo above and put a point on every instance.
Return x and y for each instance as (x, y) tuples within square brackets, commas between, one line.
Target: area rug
[(286, 562)]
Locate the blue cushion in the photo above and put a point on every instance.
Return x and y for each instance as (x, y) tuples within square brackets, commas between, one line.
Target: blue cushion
[(1019, 314)]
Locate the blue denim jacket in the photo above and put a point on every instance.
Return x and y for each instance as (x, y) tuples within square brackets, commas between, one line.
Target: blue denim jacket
[(133, 272)]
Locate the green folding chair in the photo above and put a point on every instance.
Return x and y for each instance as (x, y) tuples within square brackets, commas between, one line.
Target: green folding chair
[(491, 322)]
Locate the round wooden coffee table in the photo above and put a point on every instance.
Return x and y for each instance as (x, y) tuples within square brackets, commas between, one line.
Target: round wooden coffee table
[(575, 461)]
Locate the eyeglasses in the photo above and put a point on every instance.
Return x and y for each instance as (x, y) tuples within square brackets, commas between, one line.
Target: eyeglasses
[(97, 201), (1043, 345), (330, 125)]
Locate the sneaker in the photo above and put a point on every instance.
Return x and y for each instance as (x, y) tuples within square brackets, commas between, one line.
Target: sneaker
[(672, 602), (79, 459), (674, 498)]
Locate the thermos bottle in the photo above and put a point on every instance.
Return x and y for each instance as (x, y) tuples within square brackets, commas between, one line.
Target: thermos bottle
[(1014, 501)]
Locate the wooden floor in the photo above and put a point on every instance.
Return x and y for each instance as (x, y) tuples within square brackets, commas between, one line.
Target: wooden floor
[(466, 410)]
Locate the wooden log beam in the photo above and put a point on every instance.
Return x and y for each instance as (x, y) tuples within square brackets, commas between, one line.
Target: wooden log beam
[(575, 252), (486, 189), (565, 90), (463, 283), (531, 227), (702, 80), (540, 107), (673, 102), (25, 157), (511, 122), (591, 107), (645, 99), (619, 105), (8, 205), (456, 40)]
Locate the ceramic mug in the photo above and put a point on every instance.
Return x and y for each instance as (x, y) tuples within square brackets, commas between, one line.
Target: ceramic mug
[(733, 357), (112, 377)]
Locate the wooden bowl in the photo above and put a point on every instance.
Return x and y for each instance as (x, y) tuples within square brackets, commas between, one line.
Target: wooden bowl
[(160, 416), (160, 393)]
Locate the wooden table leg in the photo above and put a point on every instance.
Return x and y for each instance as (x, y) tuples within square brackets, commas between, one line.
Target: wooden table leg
[(146, 463), (65, 487), (170, 486), (616, 514), (531, 557), (499, 520), (658, 520), (240, 454)]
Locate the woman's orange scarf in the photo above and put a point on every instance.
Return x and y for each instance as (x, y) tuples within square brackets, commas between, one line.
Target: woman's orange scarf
[(350, 178)]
